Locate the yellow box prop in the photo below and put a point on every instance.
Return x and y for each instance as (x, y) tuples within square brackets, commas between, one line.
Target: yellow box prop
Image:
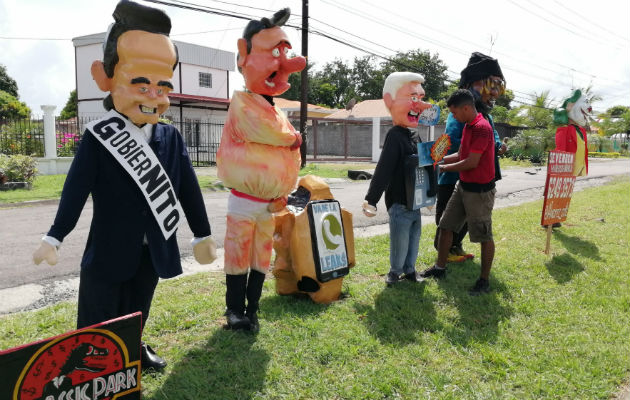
[(295, 266)]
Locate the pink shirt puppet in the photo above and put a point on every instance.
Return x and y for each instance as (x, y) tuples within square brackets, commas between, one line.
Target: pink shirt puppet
[(259, 160)]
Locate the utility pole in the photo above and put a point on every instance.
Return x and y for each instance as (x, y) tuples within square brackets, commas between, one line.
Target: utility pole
[(304, 81)]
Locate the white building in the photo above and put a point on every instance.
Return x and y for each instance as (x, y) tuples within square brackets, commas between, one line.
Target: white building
[(200, 80)]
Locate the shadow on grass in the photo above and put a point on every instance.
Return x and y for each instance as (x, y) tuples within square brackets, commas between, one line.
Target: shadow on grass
[(576, 245), (278, 307), (226, 367), (399, 313), (563, 267), (479, 316)]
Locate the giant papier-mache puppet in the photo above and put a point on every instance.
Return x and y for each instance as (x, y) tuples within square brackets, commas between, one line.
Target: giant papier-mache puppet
[(571, 134), (139, 175), (259, 159), (402, 94)]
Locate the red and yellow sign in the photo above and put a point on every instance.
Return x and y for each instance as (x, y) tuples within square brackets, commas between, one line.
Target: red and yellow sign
[(100, 362), (558, 187), (440, 148)]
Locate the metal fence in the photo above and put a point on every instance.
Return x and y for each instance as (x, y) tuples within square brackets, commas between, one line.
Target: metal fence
[(339, 139), (326, 139), (202, 139), (22, 136)]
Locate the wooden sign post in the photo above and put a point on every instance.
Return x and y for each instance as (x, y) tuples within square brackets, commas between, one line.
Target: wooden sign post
[(558, 191)]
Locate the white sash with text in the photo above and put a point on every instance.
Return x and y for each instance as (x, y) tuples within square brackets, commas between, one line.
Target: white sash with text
[(126, 143)]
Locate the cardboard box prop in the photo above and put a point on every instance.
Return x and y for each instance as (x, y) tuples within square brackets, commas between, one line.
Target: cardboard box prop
[(314, 243)]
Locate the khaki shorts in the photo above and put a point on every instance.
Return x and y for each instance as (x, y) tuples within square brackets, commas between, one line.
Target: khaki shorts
[(473, 208)]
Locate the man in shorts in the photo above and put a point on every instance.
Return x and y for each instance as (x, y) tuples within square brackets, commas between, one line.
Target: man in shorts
[(473, 198)]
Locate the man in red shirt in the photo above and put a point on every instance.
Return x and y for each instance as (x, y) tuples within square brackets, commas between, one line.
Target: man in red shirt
[(473, 198)]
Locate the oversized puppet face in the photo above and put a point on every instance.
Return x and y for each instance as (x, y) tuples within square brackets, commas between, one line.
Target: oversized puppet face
[(142, 76), (267, 67), (579, 111), (490, 89), (406, 107)]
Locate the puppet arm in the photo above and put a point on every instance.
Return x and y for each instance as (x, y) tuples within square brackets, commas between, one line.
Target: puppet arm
[(204, 249), (46, 252), (76, 189)]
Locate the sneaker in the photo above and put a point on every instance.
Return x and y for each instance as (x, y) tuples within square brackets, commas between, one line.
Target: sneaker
[(391, 278), (433, 272), (453, 258), (413, 277), (459, 251), (481, 286)]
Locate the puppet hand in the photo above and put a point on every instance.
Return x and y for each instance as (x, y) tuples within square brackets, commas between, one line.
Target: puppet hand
[(298, 141), (45, 252), (368, 209), (205, 251), (277, 205)]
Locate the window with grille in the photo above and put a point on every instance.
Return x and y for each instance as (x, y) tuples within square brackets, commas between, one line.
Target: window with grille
[(205, 79)]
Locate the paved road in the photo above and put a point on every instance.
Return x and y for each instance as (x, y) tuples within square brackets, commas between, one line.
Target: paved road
[(24, 225)]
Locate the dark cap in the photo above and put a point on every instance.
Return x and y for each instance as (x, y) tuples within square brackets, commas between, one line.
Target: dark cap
[(480, 66)]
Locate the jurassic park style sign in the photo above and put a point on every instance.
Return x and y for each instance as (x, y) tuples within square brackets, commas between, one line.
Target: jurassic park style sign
[(101, 362), (558, 187)]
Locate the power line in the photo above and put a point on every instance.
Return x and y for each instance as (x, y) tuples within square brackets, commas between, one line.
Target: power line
[(560, 26), (463, 52), (522, 60), (590, 21), (31, 38), (202, 32), (570, 23)]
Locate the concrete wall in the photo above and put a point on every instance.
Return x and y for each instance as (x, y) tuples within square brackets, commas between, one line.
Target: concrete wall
[(195, 113), (86, 87), (331, 138), (190, 81)]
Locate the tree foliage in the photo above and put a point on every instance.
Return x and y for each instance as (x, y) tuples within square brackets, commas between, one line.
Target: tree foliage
[(71, 108), (505, 99), (12, 108), (338, 82), (537, 115), (7, 83), (430, 66), (615, 120)]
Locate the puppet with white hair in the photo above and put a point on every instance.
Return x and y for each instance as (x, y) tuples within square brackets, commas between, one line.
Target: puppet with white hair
[(402, 94)]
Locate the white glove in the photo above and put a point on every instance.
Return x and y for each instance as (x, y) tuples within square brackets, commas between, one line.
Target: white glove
[(45, 252), (369, 210), (205, 251)]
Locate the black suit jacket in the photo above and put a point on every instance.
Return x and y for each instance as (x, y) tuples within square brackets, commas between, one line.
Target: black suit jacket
[(121, 215)]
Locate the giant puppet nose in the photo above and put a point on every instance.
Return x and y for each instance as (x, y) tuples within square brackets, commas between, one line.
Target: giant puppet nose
[(294, 64), (423, 106)]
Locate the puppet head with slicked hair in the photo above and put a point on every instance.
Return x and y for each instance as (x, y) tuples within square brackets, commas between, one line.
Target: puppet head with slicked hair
[(138, 63)]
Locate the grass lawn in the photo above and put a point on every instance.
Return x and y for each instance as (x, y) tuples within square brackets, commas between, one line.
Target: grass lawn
[(49, 186), (44, 187), (507, 163), (553, 326)]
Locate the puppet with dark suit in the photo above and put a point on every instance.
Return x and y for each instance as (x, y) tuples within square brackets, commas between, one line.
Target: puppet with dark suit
[(127, 249)]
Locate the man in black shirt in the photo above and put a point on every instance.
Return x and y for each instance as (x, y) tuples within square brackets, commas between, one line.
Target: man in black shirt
[(403, 95)]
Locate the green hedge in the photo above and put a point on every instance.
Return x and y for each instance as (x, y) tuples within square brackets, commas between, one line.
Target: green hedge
[(18, 168), (603, 155)]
